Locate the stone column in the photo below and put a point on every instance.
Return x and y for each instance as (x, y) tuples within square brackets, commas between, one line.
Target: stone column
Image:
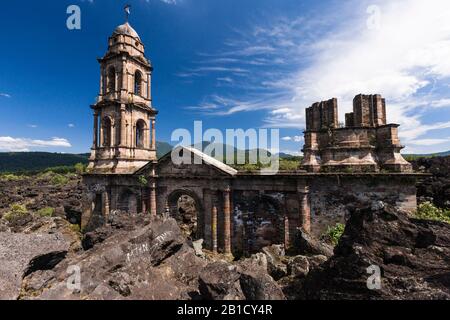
[(105, 204), (100, 143), (122, 126), (143, 203), (227, 221), (148, 86), (95, 138), (124, 84), (153, 146), (152, 197), (304, 207), (112, 143), (133, 143), (285, 223), (286, 232), (102, 80), (147, 138), (214, 228), (207, 207)]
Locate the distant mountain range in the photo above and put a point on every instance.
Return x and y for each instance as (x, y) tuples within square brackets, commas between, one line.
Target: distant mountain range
[(439, 154), (35, 161)]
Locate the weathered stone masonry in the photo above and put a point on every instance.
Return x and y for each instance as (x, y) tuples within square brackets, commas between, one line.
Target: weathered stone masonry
[(366, 143), (355, 164)]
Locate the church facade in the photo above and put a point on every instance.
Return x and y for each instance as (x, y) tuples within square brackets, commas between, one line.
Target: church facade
[(235, 212)]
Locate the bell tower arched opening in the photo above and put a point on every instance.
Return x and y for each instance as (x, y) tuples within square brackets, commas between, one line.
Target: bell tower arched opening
[(111, 79), (106, 132), (138, 83), (141, 127)]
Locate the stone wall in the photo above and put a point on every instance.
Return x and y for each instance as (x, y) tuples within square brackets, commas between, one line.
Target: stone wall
[(332, 197)]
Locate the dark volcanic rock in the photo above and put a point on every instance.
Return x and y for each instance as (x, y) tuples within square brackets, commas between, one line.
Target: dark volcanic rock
[(117, 220), (306, 244), (413, 256), (22, 254), (149, 262), (298, 266), (276, 266), (90, 239), (435, 188), (220, 281), (39, 192), (247, 279), (256, 284)]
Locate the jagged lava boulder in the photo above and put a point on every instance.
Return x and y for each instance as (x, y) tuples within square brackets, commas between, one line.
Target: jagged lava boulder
[(413, 256), (23, 254), (145, 264)]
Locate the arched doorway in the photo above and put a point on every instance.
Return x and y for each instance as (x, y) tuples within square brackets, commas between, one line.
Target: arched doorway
[(185, 207)]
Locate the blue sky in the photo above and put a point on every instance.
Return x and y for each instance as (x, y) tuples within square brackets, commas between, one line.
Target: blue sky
[(232, 64)]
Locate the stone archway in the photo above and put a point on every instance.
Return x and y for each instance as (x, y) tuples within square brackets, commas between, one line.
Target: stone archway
[(186, 208)]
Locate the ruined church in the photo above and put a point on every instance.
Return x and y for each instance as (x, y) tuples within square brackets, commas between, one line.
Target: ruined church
[(235, 212)]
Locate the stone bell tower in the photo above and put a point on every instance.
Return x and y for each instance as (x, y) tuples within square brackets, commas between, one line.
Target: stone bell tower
[(124, 120)]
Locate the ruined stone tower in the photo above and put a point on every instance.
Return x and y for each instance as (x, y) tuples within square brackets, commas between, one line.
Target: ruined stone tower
[(124, 119), (124, 134), (366, 143)]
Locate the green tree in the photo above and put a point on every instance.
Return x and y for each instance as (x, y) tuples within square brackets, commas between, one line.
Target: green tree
[(80, 168)]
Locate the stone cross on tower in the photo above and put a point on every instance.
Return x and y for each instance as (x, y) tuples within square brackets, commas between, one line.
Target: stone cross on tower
[(127, 12)]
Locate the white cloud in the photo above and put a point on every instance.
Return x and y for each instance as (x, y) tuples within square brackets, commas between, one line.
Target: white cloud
[(225, 80), (410, 50), (337, 55), (296, 153), (5, 95), (33, 126), (411, 132), (168, 1), (445, 102), (294, 138), (23, 144), (71, 125), (429, 142)]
